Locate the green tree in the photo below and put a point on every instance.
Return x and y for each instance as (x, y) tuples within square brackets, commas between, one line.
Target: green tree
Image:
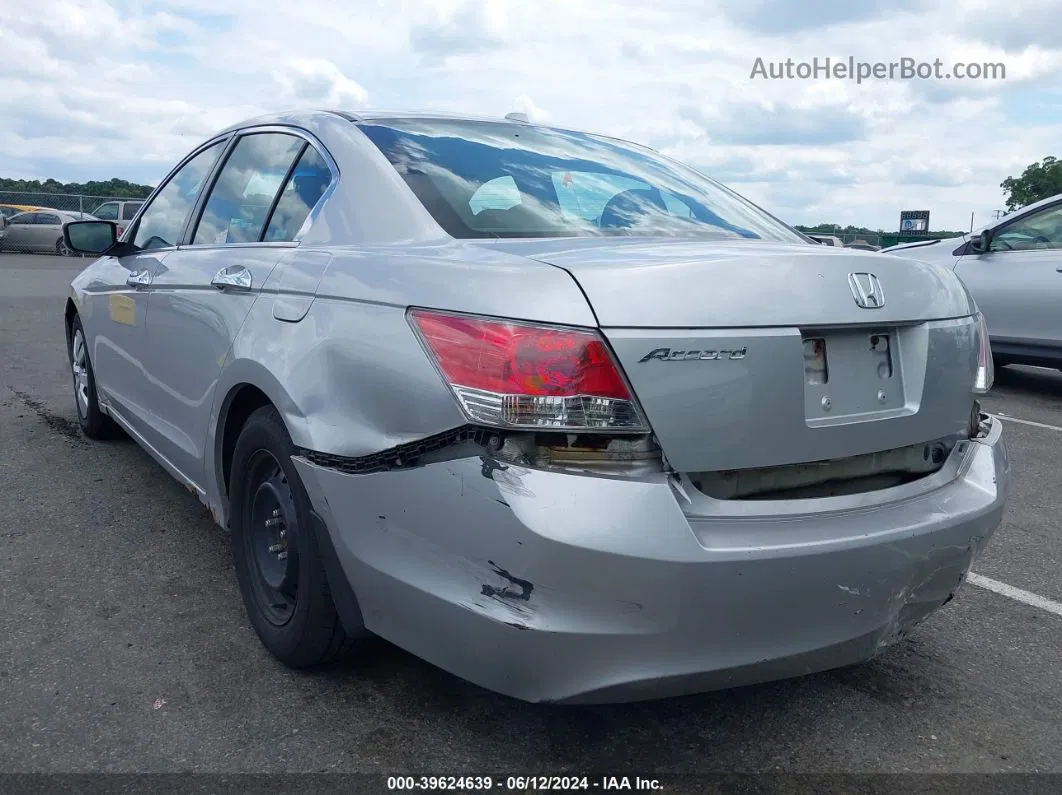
[(117, 188), (1037, 181)]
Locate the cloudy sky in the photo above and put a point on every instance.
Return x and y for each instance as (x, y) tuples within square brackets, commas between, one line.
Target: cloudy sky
[(93, 89)]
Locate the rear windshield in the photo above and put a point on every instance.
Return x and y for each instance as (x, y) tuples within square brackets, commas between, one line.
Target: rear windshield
[(492, 179)]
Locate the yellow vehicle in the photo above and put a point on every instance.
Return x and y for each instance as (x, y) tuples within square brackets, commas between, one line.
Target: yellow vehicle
[(7, 210)]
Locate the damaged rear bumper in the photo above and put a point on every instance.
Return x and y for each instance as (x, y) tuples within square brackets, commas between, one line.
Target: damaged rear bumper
[(549, 586)]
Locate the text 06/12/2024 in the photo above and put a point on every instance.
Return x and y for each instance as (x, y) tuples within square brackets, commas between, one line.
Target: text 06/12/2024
[(523, 783)]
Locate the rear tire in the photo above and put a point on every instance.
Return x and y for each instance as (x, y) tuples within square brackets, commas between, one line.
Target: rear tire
[(94, 423), (62, 249), (278, 565)]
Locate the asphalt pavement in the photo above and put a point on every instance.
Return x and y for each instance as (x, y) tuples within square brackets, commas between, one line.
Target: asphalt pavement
[(124, 646)]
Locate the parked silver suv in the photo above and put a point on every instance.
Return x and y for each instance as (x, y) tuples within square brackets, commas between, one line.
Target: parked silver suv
[(121, 212)]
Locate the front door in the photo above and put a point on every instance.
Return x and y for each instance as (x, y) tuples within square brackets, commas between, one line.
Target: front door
[(121, 352), (1018, 283)]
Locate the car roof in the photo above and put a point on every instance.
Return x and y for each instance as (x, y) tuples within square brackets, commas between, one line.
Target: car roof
[(306, 117)]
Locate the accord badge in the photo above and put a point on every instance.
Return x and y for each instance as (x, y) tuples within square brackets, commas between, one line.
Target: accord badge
[(669, 355)]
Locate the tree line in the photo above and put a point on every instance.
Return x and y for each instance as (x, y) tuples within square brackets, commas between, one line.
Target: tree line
[(858, 231), (112, 188)]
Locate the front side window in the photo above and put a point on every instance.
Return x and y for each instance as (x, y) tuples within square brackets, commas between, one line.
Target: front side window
[(107, 212), (23, 219), (164, 218), (1038, 230), (243, 194), (500, 179), (303, 190)]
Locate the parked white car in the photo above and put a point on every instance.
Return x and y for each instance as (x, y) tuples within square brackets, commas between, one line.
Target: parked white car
[(40, 231), (1013, 269)]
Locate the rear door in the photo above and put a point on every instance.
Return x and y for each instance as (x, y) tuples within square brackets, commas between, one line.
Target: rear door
[(201, 297), (47, 230), (1018, 282)]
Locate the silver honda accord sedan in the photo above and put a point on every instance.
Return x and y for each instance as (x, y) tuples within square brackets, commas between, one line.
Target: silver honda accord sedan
[(550, 410)]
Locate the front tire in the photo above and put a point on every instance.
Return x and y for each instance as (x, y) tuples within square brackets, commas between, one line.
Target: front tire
[(278, 565), (94, 423)]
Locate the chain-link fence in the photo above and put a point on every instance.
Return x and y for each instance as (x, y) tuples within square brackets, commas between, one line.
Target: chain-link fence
[(33, 222)]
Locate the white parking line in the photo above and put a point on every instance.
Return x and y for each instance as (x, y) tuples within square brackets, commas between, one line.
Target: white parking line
[(1007, 419), (1017, 594)]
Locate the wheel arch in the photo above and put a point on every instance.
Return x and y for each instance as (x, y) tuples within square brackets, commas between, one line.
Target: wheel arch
[(69, 312), (245, 386)]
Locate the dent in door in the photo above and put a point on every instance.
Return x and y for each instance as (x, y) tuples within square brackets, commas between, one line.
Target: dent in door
[(298, 276)]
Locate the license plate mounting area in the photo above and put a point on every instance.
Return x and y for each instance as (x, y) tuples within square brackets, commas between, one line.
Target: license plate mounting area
[(850, 373)]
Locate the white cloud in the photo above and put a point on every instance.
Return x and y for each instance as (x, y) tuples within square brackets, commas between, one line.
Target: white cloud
[(102, 88), (318, 82)]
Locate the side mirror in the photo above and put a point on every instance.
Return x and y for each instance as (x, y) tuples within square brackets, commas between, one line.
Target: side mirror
[(981, 243), (90, 237)]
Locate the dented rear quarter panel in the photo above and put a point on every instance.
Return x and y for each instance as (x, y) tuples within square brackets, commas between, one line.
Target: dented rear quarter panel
[(349, 377)]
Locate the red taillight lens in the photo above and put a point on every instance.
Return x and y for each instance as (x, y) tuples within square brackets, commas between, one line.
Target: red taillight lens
[(521, 375)]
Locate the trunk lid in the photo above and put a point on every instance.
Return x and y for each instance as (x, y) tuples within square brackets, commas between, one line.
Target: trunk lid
[(639, 283), (749, 354)]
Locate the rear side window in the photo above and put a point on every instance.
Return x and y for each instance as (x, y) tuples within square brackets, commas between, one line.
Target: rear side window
[(47, 219), (107, 212), (304, 188), (129, 210), (243, 194)]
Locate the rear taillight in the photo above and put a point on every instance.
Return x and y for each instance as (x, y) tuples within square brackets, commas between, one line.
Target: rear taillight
[(518, 375), (986, 373), (121, 229)]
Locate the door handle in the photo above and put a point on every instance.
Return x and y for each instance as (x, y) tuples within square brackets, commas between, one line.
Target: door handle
[(235, 276), (139, 278), (1058, 269)]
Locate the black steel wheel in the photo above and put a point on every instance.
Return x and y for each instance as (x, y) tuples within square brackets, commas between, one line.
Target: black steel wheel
[(271, 539), (280, 569)]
